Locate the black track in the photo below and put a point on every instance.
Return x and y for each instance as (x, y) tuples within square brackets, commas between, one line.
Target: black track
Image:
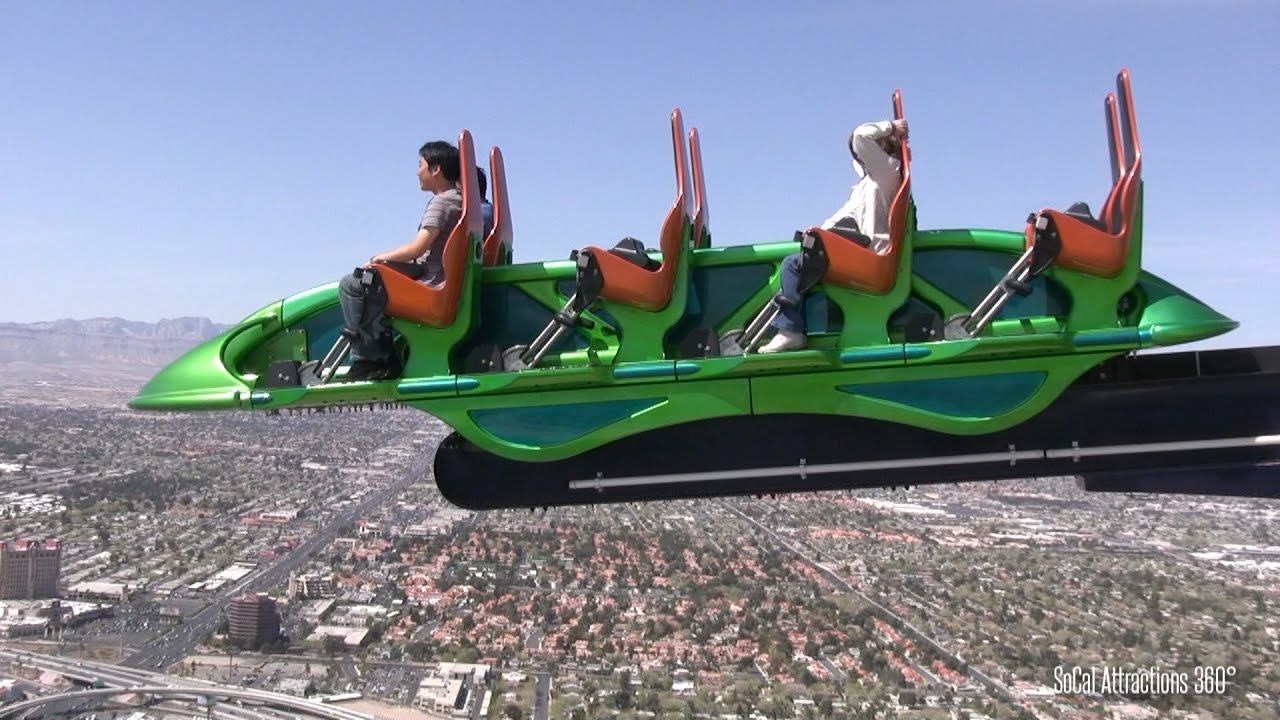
[(1162, 398)]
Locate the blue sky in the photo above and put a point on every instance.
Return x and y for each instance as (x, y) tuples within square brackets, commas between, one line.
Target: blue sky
[(167, 159)]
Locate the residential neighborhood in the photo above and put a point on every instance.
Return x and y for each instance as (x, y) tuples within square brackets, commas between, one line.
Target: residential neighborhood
[(934, 602)]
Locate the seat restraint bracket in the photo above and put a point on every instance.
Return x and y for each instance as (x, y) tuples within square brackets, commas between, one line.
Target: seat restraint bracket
[(813, 267), (1044, 249), (320, 372), (590, 281)]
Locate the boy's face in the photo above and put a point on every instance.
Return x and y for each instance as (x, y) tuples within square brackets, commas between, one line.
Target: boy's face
[(428, 175)]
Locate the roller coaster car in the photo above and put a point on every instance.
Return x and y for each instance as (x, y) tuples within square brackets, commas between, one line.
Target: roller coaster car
[(956, 332)]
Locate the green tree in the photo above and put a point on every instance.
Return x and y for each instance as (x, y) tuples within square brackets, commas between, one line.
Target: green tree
[(623, 699)]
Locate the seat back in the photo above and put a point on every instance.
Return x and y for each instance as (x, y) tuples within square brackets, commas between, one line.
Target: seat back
[(1115, 139), (647, 289), (1110, 214), (497, 247), (673, 225), (467, 233), (898, 208), (1132, 147), (1105, 249), (672, 236), (437, 306), (701, 216), (1128, 197)]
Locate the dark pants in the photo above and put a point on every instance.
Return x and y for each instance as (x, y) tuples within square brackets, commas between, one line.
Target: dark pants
[(362, 307), (791, 318)]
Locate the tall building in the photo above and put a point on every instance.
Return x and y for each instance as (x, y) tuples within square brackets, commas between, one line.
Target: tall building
[(311, 585), (253, 619), (29, 569)]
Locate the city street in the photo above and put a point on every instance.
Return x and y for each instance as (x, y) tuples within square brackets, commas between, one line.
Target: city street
[(182, 640)]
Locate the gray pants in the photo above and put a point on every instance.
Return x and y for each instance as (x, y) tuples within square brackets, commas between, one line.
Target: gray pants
[(362, 307)]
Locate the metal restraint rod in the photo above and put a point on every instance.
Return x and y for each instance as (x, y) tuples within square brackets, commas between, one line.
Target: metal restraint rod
[(559, 325), (335, 357), (1014, 281), (589, 283), (1041, 253), (813, 266)]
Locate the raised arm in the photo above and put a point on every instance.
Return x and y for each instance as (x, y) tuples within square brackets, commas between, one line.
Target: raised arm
[(864, 142)]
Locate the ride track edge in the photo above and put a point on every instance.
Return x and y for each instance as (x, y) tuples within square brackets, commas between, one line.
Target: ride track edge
[(1193, 422)]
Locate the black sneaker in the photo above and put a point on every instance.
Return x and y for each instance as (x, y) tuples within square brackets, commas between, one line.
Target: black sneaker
[(365, 370), (393, 366), (371, 370)]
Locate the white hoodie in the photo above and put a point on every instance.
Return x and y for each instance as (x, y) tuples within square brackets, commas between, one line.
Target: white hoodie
[(869, 201)]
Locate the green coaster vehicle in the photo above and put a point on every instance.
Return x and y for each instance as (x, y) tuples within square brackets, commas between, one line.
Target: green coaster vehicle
[(959, 333)]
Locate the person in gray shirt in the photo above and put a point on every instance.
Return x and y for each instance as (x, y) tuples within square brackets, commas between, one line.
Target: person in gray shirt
[(361, 293)]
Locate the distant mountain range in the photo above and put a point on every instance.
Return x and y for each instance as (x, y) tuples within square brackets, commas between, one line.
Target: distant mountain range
[(103, 340)]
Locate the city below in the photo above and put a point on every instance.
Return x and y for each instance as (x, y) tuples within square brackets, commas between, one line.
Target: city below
[(245, 566)]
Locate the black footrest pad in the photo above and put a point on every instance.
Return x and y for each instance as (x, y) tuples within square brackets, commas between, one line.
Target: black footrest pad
[(1022, 289)]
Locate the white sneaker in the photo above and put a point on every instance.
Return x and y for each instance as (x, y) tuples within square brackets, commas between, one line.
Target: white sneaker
[(784, 340)]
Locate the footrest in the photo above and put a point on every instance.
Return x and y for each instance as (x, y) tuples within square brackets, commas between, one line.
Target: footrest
[(569, 320), (1022, 289)]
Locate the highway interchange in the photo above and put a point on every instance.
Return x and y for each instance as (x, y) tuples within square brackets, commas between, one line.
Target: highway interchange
[(245, 704)]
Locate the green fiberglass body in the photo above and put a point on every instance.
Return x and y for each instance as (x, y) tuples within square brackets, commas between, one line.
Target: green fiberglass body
[(955, 332)]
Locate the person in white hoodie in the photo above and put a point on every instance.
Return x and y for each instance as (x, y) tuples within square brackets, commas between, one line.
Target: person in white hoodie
[(876, 149)]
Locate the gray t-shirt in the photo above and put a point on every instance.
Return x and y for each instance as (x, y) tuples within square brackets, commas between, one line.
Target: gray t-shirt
[(442, 212)]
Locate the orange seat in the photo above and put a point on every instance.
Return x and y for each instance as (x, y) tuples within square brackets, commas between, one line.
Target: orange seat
[(861, 268), (1101, 247), (437, 305), (497, 247), (701, 216), (629, 284)]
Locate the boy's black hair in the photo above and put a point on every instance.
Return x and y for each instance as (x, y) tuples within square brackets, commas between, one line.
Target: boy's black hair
[(482, 180), (442, 154)]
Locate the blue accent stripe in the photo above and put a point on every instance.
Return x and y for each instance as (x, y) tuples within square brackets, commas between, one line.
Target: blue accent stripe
[(914, 352), (468, 383), (687, 368), (645, 370), (551, 425), (259, 397), (880, 354), (1122, 336), (979, 396), (409, 387)]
